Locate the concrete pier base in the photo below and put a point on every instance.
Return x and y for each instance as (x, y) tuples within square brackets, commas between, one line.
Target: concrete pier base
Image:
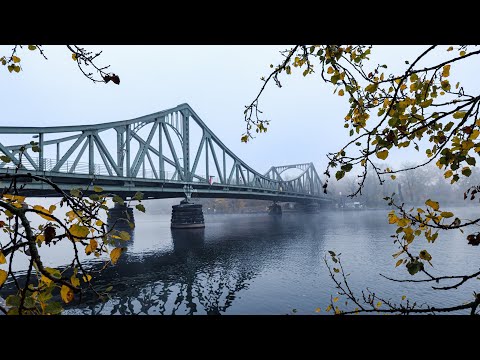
[(120, 215), (275, 209), (187, 215)]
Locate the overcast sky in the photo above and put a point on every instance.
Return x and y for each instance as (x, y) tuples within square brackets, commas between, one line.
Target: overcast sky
[(217, 81)]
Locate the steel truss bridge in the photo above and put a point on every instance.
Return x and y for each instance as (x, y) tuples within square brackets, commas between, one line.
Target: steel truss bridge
[(154, 154)]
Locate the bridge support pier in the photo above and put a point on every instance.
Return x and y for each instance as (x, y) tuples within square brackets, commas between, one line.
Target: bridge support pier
[(274, 209), (120, 215), (187, 215)]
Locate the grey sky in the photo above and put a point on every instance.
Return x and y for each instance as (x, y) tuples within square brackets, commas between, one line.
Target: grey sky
[(217, 81)]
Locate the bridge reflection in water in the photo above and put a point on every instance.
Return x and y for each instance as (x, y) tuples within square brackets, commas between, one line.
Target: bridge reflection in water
[(192, 278)]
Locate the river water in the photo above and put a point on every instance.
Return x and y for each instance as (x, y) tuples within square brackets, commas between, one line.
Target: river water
[(259, 264)]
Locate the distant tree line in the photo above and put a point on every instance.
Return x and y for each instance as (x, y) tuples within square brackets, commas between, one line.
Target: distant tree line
[(412, 187)]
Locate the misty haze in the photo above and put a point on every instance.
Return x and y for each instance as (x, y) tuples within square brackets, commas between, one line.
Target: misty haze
[(347, 184)]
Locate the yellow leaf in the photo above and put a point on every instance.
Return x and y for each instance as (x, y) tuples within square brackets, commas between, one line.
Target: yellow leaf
[(450, 48), (420, 210), (2, 258), (67, 294), (75, 281), (463, 53), (15, 59), (446, 71), (404, 297), (71, 215), (99, 222), (97, 188), (87, 278), (433, 204), (329, 307), (3, 276), (474, 135), (45, 280), (393, 177), (424, 255), (115, 254), (91, 247), (382, 154), (379, 304), (40, 238), (399, 262), (447, 214), (317, 310), (459, 114), (402, 222), (392, 218), (371, 87), (341, 92), (52, 208), (74, 57), (330, 70), (79, 231), (448, 173), (14, 198), (43, 210), (335, 299)]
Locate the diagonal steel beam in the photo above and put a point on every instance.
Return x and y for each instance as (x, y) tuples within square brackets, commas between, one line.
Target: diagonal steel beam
[(197, 157), (77, 159), (140, 158), (106, 155), (69, 152), (172, 150), (222, 180), (151, 164)]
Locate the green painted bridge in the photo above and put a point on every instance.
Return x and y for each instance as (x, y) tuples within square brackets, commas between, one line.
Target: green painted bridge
[(167, 154)]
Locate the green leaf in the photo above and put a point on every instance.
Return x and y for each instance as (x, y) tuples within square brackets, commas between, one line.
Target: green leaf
[(125, 236), (94, 197), (347, 167), (5, 159), (382, 154), (54, 272), (32, 47), (414, 266), (75, 192), (140, 207), (446, 214), (97, 189), (459, 114), (471, 161), (118, 199), (339, 174), (138, 196), (54, 308), (12, 300), (36, 148), (466, 171)]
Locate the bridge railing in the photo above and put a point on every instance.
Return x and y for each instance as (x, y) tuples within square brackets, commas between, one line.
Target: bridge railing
[(69, 167)]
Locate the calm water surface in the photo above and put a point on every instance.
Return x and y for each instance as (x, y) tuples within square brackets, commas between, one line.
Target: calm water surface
[(258, 264)]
